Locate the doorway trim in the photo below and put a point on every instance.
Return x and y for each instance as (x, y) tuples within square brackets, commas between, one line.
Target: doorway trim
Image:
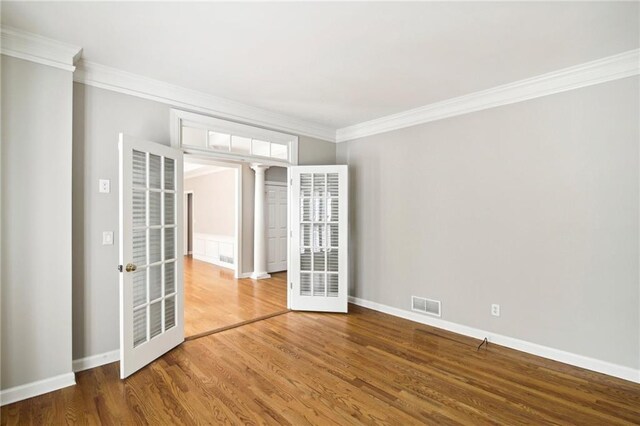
[(209, 124), (208, 160), (179, 117), (186, 220)]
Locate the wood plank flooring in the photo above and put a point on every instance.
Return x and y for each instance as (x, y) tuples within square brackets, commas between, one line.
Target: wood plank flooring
[(213, 299), (362, 368)]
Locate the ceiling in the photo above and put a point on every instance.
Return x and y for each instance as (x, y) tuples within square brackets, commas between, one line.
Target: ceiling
[(335, 64)]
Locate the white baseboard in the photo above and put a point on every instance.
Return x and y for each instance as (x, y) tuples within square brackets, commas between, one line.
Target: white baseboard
[(245, 275), (604, 367), (94, 361), (213, 260), (29, 390), (259, 275)]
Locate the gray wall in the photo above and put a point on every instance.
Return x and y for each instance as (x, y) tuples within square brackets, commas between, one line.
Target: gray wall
[(533, 206), (36, 222), (315, 151), (99, 115)]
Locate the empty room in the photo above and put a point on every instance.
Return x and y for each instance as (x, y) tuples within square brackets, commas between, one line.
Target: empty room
[(320, 213)]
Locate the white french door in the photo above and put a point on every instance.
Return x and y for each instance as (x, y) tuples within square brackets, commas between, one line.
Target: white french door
[(151, 258), (319, 244)]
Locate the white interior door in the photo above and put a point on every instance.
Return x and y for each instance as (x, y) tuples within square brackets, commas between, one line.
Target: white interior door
[(276, 212), (319, 244), (151, 291)]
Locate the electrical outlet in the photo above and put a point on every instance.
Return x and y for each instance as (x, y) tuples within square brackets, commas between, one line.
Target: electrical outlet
[(495, 310)]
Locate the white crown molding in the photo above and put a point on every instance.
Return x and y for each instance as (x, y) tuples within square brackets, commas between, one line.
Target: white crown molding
[(105, 77), (29, 390), (615, 370), (614, 67), (35, 48), (32, 47)]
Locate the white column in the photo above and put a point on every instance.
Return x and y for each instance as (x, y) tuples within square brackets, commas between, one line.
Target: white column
[(259, 228)]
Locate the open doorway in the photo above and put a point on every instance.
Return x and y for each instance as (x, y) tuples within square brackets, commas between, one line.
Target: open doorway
[(218, 241), (155, 294), (210, 214)]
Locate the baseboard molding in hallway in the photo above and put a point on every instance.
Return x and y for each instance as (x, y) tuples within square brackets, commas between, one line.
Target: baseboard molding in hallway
[(236, 325)]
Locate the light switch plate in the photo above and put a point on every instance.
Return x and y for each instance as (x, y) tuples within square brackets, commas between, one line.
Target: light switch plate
[(107, 238), (105, 186)]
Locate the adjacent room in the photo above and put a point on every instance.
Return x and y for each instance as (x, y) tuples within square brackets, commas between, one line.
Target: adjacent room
[(217, 294), (320, 213)]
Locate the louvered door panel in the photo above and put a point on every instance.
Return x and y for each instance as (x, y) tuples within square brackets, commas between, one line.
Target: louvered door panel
[(319, 238), (153, 210)]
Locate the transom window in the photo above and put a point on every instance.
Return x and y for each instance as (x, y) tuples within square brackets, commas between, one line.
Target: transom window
[(195, 132)]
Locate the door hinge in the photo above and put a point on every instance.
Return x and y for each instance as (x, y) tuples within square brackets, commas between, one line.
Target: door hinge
[(291, 182), (290, 233), (291, 286), (120, 268)]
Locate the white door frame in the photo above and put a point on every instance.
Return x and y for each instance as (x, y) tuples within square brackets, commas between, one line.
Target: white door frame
[(213, 161), (185, 222), (289, 282)]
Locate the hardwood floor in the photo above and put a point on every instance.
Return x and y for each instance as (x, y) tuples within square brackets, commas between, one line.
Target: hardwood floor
[(362, 368), (213, 299)]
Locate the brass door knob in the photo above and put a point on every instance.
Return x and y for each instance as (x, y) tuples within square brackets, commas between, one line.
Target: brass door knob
[(130, 267)]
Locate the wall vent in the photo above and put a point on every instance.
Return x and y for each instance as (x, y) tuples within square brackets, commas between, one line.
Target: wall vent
[(426, 306)]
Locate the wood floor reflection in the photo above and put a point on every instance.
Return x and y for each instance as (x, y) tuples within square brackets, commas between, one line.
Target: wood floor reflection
[(214, 299)]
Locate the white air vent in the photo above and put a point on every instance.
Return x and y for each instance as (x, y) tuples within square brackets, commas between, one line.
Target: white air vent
[(425, 306)]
